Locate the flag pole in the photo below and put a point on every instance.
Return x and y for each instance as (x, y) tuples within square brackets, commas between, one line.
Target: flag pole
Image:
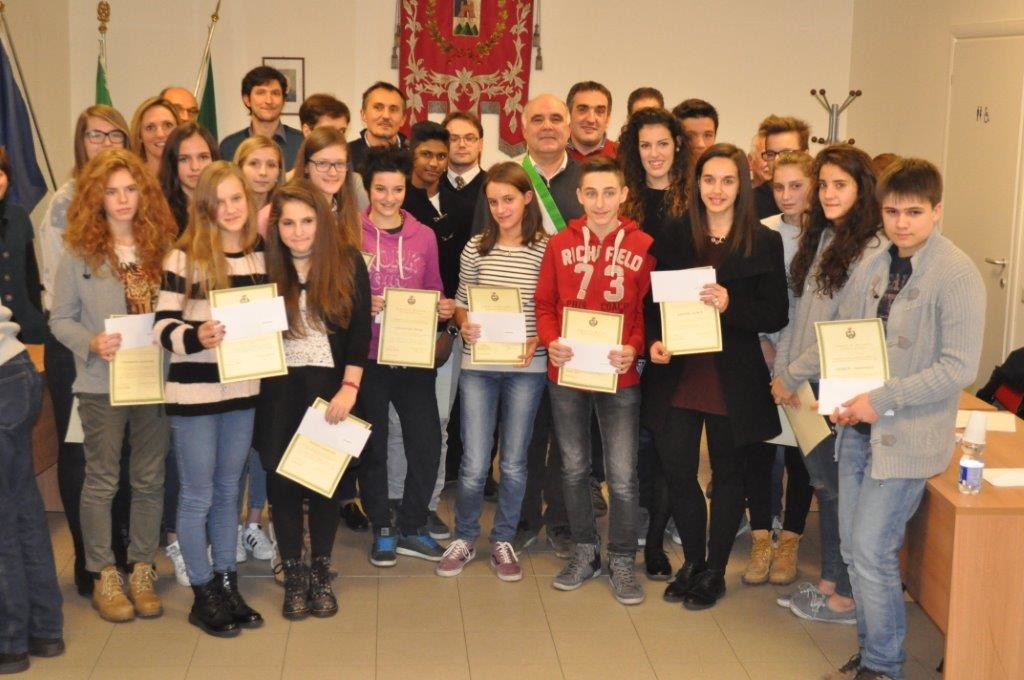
[(214, 18), (103, 16), (24, 86)]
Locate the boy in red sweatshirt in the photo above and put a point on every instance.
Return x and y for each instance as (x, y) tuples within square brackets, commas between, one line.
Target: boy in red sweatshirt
[(598, 262)]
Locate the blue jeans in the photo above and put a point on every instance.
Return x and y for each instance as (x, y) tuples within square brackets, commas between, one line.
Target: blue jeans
[(873, 516), (257, 478), (30, 599), (618, 416), (211, 452), (518, 395), (824, 471)]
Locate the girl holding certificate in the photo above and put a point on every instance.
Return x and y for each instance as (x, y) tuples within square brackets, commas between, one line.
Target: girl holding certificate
[(119, 228), (725, 393), (843, 232), (404, 256), (506, 255), (655, 158), (327, 298), (211, 422), (190, 148)]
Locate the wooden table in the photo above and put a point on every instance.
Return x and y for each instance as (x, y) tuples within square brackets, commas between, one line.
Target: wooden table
[(965, 563)]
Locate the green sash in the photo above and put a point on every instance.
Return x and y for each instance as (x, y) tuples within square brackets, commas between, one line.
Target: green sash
[(553, 220)]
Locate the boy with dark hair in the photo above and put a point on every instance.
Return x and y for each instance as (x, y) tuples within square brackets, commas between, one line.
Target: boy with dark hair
[(263, 90), (383, 112), (599, 262), (590, 105), (323, 109), (699, 120), (893, 438), (644, 98), (781, 133)]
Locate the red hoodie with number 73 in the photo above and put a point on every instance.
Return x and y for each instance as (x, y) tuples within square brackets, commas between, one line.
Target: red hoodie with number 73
[(606, 275)]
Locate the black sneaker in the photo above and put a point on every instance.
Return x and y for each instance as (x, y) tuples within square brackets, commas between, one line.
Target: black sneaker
[(45, 647), (13, 663), (382, 552), (421, 545), (436, 527), (560, 540)]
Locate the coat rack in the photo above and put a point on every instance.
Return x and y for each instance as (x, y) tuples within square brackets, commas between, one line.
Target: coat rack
[(834, 111)]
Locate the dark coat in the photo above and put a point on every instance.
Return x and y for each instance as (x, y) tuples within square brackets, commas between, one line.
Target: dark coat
[(758, 303)]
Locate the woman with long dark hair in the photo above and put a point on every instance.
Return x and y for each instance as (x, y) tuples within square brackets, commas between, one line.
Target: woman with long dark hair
[(190, 148)]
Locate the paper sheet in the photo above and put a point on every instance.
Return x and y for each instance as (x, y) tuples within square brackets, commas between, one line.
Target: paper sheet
[(252, 319), (500, 326), (1004, 476), (832, 392), (681, 285), (995, 421), (589, 356), (349, 436), (136, 329)]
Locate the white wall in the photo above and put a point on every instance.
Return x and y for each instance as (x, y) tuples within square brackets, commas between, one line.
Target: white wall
[(748, 59), (901, 59)]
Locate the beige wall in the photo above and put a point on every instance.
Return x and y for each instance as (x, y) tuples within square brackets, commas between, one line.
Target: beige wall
[(901, 59)]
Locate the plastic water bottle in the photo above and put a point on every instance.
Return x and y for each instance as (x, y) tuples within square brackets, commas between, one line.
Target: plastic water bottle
[(972, 465)]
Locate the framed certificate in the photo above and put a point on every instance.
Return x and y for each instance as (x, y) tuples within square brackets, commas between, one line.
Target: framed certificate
[(502, 301), (137, 377), (408, 332), (852, 348), (248, 358), (689, 327), (599, 332), (318, 462)]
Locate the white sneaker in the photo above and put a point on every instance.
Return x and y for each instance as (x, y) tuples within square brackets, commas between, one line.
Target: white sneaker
[(257, 543), (173, 551), (240, 554)]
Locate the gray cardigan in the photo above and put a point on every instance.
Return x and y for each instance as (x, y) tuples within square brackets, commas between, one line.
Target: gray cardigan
[(81, 301), (934, 335)]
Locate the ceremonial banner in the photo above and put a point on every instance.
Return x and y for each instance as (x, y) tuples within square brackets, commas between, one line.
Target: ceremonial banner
[(468, 55)]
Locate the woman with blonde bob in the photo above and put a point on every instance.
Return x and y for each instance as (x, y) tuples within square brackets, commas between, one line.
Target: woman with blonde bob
[(211, 422), (152, 124), (119, 229)]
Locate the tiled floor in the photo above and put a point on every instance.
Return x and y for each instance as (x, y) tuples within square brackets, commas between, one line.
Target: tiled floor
[(406, 622)]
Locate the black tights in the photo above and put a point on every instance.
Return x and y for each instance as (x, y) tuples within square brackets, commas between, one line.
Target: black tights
[(286, 499), (799, 491), (678, 447)]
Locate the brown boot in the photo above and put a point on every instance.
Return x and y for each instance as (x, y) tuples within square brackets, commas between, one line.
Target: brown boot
[(108, 596), (783, 570), (760, 557), (142, 590)]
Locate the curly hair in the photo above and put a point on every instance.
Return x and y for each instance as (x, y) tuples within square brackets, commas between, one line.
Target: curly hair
[(853, 230), (170, 180), (331, 284), (88, 233), (633, 169)]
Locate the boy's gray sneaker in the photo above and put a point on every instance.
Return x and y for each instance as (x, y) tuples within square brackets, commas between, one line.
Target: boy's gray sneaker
[(626, 588), (584, 563), (812, 605)]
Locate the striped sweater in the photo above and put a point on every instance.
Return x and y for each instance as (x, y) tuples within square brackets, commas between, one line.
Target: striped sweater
[(193, 384)]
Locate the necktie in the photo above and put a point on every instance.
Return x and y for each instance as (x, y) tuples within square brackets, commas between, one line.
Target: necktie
[(459, 182)]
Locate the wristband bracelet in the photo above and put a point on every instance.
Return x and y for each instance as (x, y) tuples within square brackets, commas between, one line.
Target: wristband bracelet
[(351, 384)]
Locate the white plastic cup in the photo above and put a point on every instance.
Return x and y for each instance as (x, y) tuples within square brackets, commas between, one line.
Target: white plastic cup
[(975, 430)]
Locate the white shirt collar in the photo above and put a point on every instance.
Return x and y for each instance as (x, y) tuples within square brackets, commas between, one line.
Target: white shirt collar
[(467, 176), (561, 168)]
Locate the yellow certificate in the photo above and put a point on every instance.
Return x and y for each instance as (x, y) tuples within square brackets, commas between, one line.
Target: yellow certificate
[(408, 333), (137, 376), (852, 348), (491, 299), (809, 428), (249, 358), (318, 462), (592, 335), (690, 327)]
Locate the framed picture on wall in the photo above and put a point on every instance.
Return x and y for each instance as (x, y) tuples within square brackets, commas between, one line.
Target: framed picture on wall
[(294, 70)]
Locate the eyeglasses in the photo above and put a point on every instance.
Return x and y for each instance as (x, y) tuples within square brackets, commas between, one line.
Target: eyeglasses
[(97, 136), (327, 166), (772, 155), (468, 139), (431, 156)]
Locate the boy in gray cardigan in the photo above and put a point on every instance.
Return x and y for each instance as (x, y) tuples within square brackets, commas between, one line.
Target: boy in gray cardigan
[(931, 299)]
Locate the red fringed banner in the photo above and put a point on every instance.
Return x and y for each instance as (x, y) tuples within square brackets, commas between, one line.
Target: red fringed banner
[(468, 55)]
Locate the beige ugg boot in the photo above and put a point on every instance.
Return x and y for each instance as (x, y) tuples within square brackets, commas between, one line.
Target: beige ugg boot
[(783, 571), (760, 557)]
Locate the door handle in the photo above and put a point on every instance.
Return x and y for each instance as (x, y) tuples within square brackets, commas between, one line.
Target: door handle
[(1001, 262)]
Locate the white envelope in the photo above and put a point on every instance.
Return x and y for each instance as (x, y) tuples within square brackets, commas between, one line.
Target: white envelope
[(136, 329), (590, 356), (500, 326), (832, 392), (250, 319), (681, 285), (346, 437)]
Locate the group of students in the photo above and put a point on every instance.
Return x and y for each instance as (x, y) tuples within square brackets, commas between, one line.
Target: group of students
[(153, 221)]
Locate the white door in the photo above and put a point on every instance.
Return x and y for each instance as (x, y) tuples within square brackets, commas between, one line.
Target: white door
[(983, 180)]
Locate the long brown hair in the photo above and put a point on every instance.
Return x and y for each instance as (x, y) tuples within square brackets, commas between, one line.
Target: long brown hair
[(856, 229), (207, 266), (88, 232), (633, 167), (331, 282), (533, 224), (744, 219), (104, 112), (347, 216)]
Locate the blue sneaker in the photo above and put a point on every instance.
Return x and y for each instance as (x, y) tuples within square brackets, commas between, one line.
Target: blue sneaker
[(382, 553), (421, 545)]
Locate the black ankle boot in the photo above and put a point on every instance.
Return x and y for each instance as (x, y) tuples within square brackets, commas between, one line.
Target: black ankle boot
[(705, 590), (322, 602), (245, 616), (296, 590), (685, 577), (210, 612)]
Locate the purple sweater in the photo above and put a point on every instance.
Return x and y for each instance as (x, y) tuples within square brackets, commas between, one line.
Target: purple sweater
[(406, 259)]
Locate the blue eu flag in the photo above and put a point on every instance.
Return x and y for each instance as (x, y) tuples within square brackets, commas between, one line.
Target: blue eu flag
[(27, 185)]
